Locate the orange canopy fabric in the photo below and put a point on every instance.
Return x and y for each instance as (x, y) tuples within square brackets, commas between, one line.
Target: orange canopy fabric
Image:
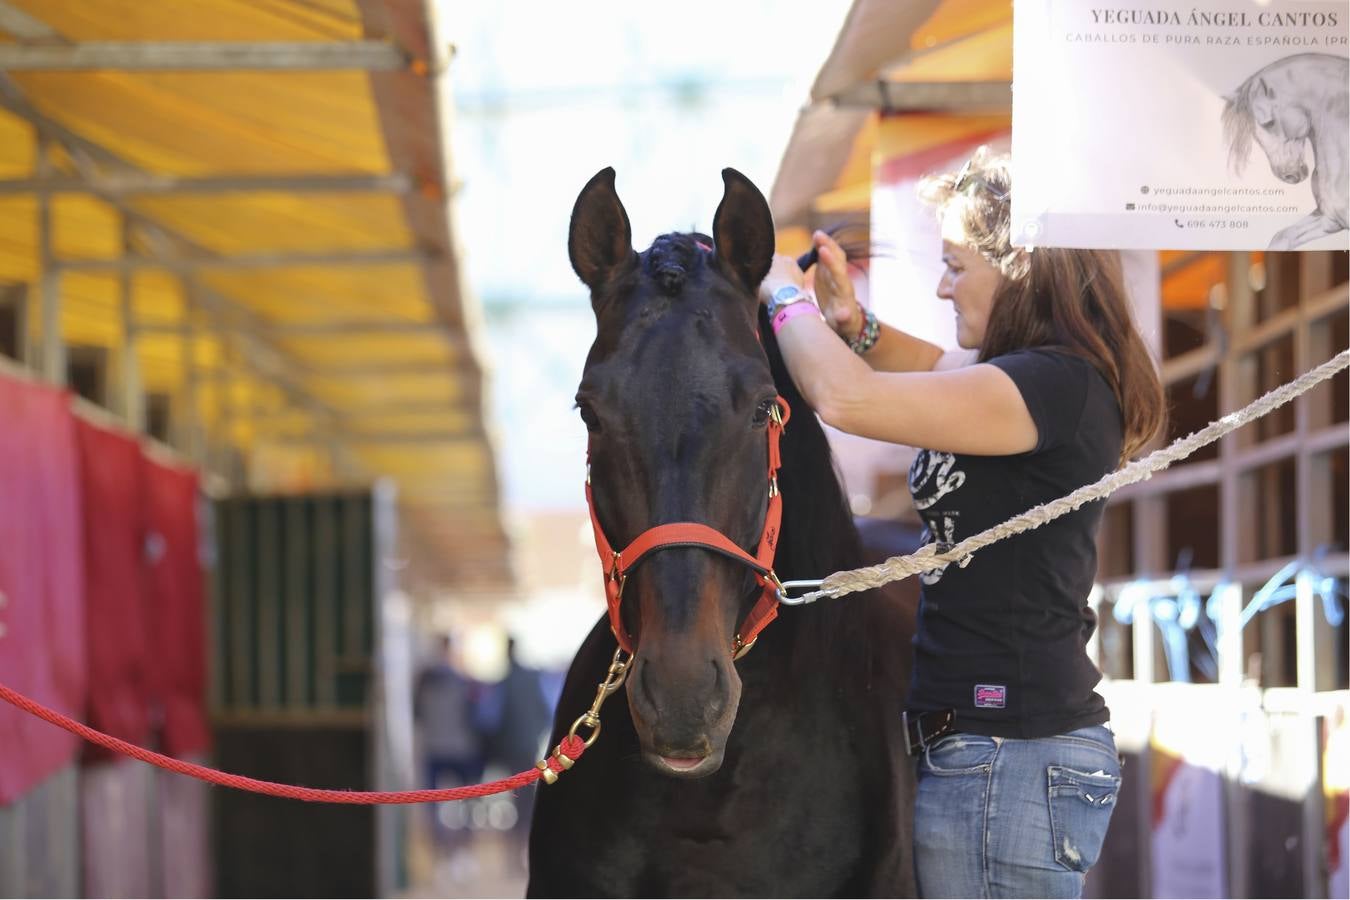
[(356, 363)]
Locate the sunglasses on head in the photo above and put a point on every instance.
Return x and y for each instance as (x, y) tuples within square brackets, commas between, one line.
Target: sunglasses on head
[(967, 180)]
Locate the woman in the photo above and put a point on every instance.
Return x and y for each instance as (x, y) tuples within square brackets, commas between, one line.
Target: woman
[(1017, 773)]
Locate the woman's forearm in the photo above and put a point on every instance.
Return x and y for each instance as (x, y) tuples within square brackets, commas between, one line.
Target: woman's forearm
[(823, 367), (973, 409)]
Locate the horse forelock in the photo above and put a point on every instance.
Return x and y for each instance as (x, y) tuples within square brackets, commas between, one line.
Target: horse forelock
[(673, 259)]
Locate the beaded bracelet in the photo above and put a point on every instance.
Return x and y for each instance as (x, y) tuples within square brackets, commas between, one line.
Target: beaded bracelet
[(867, 337)]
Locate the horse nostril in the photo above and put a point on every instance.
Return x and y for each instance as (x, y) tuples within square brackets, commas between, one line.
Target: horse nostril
[(716, 704), (645, 685)]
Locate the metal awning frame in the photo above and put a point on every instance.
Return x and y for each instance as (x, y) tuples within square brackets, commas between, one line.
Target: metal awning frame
[(401, 64), (863, 75)]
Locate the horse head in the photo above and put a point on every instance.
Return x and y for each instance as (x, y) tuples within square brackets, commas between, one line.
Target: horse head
[(677, 397), (1256, 111)]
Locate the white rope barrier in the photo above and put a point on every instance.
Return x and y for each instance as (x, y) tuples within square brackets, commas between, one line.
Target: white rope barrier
[(931, 556)]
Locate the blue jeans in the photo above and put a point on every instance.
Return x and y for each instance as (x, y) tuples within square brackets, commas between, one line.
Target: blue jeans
[(1003, 817)]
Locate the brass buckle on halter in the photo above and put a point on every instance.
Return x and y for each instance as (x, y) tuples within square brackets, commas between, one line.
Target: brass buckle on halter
[(776, 415), (739, 646)]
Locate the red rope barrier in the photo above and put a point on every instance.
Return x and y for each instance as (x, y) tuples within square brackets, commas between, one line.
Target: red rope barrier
[(572, 746)]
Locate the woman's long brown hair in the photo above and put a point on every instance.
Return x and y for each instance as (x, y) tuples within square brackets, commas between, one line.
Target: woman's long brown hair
[(1066, 299)]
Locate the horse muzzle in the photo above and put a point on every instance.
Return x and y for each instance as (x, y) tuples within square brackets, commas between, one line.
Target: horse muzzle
[(1292, 174), (683, 713)]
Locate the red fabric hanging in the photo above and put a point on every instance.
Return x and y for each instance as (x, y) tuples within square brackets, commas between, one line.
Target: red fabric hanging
[(41, 579), (175, 597), (116, 614)]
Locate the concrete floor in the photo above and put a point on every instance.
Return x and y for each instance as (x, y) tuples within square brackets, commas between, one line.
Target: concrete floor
[(475, 858)]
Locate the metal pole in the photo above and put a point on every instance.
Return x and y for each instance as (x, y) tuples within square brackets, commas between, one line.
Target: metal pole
[(53, 348), (21, 25), (135, 184), (192, 421), (266, 260), (1315, 639), (1236, 385), (203, 56), (219, 446), (133, 396)]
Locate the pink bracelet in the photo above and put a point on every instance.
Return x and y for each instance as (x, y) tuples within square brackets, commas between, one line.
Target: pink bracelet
[(792, 309)]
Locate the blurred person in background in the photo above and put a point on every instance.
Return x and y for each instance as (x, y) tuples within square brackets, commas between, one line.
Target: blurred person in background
[(514, 716), (444, 707)]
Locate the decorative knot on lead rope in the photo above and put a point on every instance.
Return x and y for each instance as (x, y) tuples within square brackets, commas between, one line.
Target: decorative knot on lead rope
[(567, 752)]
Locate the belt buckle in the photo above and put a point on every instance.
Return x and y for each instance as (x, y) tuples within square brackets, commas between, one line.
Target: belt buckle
[(921, 740), (916, 723)]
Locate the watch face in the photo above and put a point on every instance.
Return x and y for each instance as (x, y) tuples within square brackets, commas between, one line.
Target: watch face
[(785, 293)]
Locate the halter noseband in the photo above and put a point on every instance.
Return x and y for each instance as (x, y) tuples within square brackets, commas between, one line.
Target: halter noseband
[(617, 565)]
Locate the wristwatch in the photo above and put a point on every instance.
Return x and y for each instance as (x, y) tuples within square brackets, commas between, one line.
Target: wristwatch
[(786, 295)]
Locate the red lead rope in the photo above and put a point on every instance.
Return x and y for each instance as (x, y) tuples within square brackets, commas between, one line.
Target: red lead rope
[(571, 746)]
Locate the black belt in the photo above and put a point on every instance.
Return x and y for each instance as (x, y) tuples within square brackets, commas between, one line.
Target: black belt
[(922, 728)]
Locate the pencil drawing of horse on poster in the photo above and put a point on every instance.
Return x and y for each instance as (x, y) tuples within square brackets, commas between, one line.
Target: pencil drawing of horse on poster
[(1286, 106)]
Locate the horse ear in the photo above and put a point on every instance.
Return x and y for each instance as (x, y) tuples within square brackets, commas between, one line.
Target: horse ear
[(600, 240), (743, 231)]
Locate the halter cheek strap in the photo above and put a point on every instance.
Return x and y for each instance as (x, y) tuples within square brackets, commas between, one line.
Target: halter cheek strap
[(617, 565)]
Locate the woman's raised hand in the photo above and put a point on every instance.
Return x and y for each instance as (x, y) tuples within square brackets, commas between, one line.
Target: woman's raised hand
[(834, 289)]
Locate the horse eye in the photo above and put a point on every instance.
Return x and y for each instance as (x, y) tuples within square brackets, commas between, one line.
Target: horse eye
[(763, 411), (1267, 125), (589, 417)]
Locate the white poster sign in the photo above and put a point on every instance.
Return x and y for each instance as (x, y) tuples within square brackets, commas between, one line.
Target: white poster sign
[(1205, 125)]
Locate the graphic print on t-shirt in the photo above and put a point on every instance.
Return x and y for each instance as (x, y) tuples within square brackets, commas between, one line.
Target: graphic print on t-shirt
[(932, 477)]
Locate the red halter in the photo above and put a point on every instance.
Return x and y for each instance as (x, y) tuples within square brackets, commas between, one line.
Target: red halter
[(692, 534)]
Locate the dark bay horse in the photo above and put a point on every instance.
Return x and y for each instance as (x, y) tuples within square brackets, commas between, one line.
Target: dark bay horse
[(778, 774)]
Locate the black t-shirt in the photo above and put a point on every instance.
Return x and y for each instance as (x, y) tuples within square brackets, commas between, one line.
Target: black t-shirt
[(1002, 634)]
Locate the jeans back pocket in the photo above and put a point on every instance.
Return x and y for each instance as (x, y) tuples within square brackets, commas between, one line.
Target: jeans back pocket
[(1081, 804)]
